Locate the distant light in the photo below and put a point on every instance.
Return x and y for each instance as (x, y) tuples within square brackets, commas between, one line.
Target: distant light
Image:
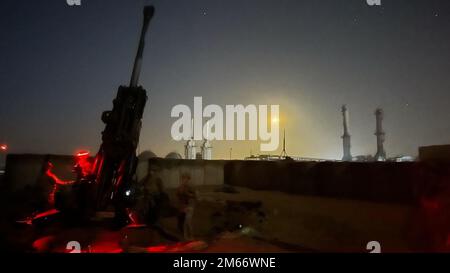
[(3, 147), (275, 120), (127, 193)]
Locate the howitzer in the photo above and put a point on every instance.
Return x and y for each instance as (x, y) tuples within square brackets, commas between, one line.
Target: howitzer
[(105, 182)]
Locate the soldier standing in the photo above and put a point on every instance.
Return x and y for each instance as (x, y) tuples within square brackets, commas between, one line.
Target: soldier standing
[(186, 197)]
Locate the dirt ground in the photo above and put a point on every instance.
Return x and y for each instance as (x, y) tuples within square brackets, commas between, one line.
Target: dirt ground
[(301, 223), (236, 220), (163, 236)]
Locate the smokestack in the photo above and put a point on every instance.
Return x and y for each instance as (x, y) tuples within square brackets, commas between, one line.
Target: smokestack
[(346, 136), (189, 149), (206, 146), (381, 153)]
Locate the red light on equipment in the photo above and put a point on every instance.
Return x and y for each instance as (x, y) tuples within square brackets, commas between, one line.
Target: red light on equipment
[(3, 147), (83, 153), (83, 162)]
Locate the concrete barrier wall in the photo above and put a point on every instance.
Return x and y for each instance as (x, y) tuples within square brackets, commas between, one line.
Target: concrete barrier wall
[(169, 171), (379, 182), (26, 169), (435, 153)]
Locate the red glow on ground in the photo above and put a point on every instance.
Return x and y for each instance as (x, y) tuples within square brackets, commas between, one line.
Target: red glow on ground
[(430, 204), (43, 244), (106, 249), (178, 247), (136, 225), (98, 247), (157, 249), (109, 242)]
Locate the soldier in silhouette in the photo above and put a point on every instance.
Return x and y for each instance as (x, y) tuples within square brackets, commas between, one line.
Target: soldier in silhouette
[(186, 197)]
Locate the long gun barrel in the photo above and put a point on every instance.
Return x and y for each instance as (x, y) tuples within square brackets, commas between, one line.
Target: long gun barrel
[(108, 180), (148, 15), (117, 156)]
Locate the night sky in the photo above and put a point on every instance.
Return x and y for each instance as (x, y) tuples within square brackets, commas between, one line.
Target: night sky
[(60, 67)]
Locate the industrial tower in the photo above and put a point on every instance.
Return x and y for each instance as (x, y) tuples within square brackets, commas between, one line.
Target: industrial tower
[(381, 153), (346, 136), (189, 149)]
